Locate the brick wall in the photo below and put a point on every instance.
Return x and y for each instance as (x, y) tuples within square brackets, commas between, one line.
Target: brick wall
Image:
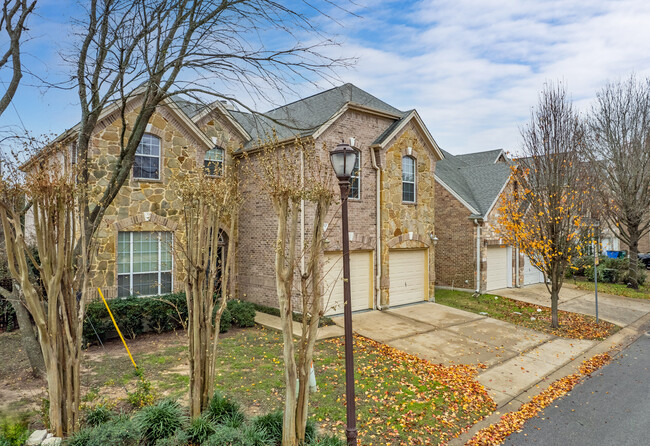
[(456, 248)]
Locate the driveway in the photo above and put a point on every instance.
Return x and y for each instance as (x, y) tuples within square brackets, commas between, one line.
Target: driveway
[(616, 309), (515, 357)]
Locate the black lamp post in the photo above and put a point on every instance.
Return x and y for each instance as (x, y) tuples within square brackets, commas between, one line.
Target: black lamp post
[(343, 159)]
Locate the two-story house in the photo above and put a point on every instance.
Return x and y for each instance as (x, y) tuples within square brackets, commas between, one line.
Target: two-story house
[(391, 205)]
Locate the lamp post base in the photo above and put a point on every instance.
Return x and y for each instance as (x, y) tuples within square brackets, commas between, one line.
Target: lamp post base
[(351, 435)]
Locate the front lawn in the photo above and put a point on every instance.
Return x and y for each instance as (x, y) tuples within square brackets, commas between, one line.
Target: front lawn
[(617, 289), (572, 325), (401, 399)]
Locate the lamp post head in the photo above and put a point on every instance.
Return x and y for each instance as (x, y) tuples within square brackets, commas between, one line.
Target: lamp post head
[(343, 158)]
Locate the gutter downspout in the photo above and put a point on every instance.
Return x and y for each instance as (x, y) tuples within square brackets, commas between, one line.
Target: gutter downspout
[(478, 256), (517, 267), (378, 236)]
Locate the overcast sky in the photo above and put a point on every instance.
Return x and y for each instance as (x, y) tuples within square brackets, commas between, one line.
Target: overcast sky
[(472, 68)]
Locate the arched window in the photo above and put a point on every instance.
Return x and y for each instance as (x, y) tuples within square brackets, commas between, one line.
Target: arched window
[(213, 161), (408, 179), (147, 158)]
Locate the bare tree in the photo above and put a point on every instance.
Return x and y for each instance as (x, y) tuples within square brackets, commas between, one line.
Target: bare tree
[(57, 312), (619, 151), (544, 214), (14, 16), (210, 203), (288, 175)]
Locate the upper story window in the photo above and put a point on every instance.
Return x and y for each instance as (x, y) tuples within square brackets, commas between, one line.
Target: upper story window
[(408, 179), (73, 153), (213, 162), (147, 158), (355, 179)]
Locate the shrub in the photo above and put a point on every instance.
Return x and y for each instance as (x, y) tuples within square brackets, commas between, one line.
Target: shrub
[(226, 321), (222, 410), (98, 415), (249, 436), (13, 433), (160, 421), (129, 314), (243, 313), (200, 429), (144, 394), (272, 424), (179, 438), (120, 431)]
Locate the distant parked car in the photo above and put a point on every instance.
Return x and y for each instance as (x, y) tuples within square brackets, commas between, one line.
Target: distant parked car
[(645, 259)]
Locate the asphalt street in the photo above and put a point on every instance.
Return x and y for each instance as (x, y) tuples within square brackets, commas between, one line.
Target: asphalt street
[(612, 407)]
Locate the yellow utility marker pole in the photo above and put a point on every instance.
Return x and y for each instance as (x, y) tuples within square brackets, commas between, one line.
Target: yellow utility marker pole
[(117, 328)]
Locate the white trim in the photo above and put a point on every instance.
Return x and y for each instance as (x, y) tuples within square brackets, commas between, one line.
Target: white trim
[(501, 153), (330, 121), (414, 115), (456, 196)]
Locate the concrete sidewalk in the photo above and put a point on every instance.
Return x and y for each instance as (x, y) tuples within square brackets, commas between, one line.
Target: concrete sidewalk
[(619, 310)]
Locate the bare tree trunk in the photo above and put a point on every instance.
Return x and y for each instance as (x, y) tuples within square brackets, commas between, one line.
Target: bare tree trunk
[(633, 256), (27, 334)]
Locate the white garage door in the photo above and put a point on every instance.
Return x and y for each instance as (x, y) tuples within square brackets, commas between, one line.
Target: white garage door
[(361, 283), (497, 267), (531, 274), (409, 276)]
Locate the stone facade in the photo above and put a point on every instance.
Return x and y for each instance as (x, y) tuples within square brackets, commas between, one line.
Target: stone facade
[(147, 205)]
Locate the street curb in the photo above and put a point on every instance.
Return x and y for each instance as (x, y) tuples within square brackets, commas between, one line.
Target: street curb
[(612, 345)]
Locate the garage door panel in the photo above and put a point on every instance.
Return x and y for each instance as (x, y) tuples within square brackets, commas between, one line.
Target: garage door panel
[(361, 281), (408, 272), (497, 267)]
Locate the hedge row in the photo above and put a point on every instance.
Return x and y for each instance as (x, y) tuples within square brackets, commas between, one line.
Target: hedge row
[(609, 270), (136, 315)]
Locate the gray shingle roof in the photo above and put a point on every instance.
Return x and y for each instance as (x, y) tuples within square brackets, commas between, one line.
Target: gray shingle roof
[(475, 177), (304, 117)]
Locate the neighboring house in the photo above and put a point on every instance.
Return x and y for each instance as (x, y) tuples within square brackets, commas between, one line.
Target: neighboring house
[(391, 207), (470, 254)]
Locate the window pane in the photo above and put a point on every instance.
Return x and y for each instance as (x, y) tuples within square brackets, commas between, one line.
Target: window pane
[(146, 167), (165, 283), (213, 161), (408, 192), (149, 145), (123, 252), (165, 251), (145, 284), (123, 284)]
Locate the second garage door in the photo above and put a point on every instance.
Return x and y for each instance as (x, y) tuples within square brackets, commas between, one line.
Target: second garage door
[(361, 282), (409, 276), (531, 274), (497, 267)]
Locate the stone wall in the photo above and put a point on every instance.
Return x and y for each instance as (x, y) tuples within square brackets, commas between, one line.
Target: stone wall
[(146, 205), (398, 218)]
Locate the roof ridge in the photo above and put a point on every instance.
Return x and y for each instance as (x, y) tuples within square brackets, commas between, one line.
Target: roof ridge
[(308, 97)]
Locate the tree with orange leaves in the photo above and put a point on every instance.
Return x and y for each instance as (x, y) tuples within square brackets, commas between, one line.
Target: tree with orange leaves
[(544, 214)]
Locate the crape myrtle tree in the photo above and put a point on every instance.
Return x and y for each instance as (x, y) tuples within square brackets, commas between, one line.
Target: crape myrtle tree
[(288, 174), (57, 312), (130, 57), (619, 155), (210, 203), (544, 214)]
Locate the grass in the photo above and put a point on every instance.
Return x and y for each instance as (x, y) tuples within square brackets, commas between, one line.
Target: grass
[(399, 397), (617, 289), (572, 325)]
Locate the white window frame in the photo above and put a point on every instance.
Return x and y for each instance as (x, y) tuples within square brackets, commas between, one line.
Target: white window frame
[(159, 156), (414, 182), (358, 178), (220, 164), (131, 273)]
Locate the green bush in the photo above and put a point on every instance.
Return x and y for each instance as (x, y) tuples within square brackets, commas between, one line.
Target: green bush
[(160, 421), (272, 423), (230, 436), (226, 321), (179, 438), (97, 415), (13, 433), (243, 313), (222, 410), (200, 429), (120, 431)]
